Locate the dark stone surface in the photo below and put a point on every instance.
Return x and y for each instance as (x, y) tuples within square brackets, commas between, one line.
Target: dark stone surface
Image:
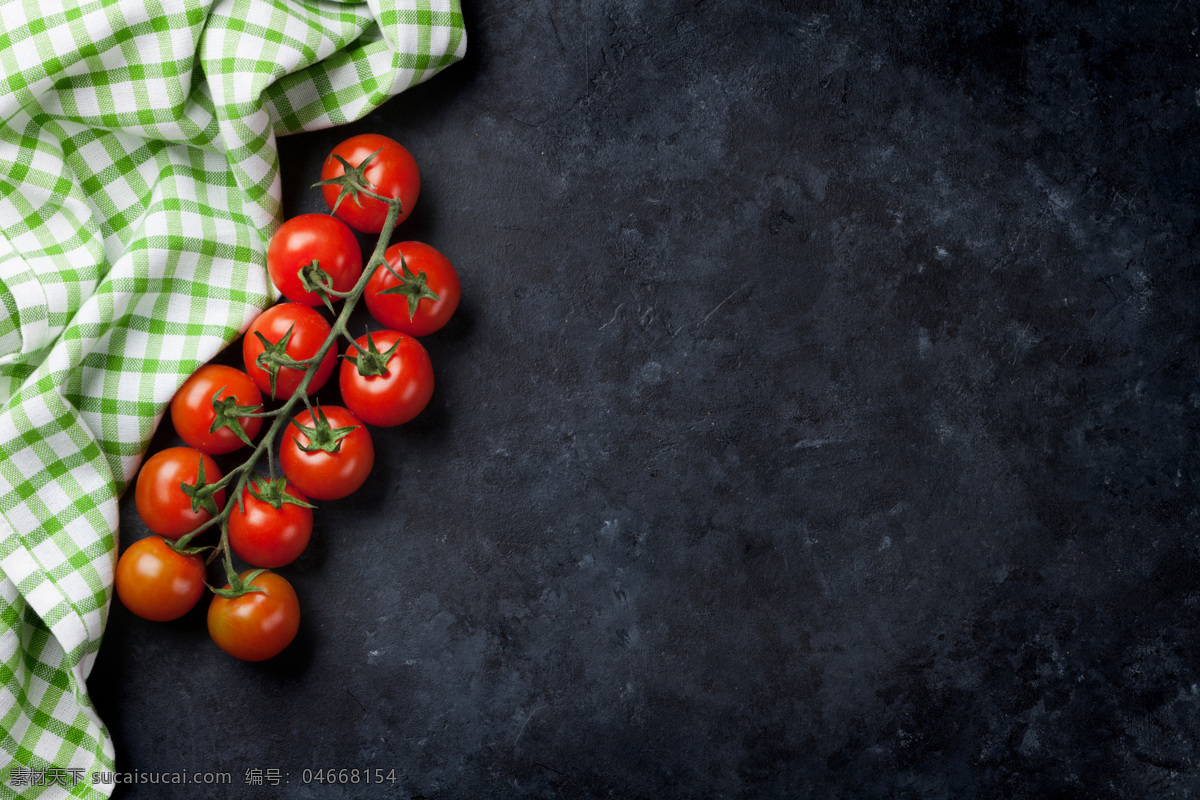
[(820, 421)]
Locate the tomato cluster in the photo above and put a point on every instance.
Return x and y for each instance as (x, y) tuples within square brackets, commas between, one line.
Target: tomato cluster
[(290, 351)]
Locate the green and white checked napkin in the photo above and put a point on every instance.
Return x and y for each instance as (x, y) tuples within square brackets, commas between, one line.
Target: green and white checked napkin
[(139, 184)]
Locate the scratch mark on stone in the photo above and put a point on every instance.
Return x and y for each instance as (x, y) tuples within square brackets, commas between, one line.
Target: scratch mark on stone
[(723, 302), (526, 723), (614, 317), (805, 444)]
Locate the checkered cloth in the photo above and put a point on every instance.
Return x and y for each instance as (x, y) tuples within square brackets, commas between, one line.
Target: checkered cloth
[(139, 183)]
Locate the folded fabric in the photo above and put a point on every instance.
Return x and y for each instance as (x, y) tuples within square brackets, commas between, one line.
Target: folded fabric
[(139, 184)]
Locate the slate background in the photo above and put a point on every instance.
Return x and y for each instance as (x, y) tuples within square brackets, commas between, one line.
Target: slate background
[(819, 422)]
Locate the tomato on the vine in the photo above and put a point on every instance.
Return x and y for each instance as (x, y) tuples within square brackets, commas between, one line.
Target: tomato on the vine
[(416, 292), (398, 383), (193, 414), (160, 497), (159, 583), (327, 458), (295, 331), (307, 238), (256, 625), (392, 172), (270, 529)]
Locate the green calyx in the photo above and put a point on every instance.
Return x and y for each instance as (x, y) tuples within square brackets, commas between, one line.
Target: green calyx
[(371, 362), (273, 492), (237, 585), (227, 413), (202, 493), (321, 435), (353, 181), (315, 279), (414, 287), (274, 356)]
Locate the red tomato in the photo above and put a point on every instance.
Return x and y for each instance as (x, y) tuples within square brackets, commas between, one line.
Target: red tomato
[(192, 408), (158, 583), (258, 625), (326, 475), (397, 395), (266, 536), (160, 501), (309, 331), (391, 173), (428, 273), (302, 239)]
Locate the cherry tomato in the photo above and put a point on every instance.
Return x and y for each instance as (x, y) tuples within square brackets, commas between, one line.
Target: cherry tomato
[(392, 173), (428, 272), (258, 625), (160, 501), (193, 414), (158, 583), (302, 239), (324, 475), (400, 393), (266, 536), (309, 331)]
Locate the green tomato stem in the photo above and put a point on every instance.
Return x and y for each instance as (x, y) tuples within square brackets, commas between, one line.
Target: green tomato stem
[(350, 339)]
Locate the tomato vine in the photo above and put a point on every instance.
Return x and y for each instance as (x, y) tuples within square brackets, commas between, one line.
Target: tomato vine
[(282, 416), (289, 352)]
